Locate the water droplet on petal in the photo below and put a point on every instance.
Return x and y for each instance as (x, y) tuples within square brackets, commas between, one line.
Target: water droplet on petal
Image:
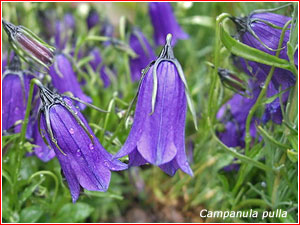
[(71, 130), (91, 146), (78, 153), (106, 163)]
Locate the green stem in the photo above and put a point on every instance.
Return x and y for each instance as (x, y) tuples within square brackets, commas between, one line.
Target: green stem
[(213, 88), (238, 155), (110, 106), (251, 202), (45, 172), (262, 93)]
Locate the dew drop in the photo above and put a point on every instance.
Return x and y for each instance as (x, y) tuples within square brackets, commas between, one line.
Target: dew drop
[(78, 153), (91, 146), (71, 130), (106, 163)]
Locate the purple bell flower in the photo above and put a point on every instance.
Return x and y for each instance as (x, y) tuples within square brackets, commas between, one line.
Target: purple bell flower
[(93, 19), (233, 115), (98, 67), (107, 30), (257, 32), (84, 161), (164, 22), (42, 151), (144, 51), (157, 135), (63, 31), (15, 88), (64, 78)]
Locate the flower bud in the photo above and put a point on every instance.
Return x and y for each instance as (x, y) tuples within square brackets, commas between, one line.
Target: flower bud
[(231, 81), (27, 44)]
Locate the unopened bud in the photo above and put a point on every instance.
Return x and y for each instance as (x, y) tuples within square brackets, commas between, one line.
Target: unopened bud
[(230, 80), (27, 44)]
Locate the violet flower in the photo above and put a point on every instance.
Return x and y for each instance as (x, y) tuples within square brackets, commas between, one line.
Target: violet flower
[(64, 78), (256, 31), (233, 114), (144, 51), (63, 31), (42, 151), (15, 88), (84, 162), (93, 19), (164, 22), (98, 66), (158, 131)]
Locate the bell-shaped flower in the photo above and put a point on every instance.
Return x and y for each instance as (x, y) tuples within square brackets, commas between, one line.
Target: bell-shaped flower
[(64, 78), (144, 52), (233, 114), (164, 22), (63, 31), (93, 19), (98, 67), (157, 135), (15, 88), (262, 30), (84, 161)]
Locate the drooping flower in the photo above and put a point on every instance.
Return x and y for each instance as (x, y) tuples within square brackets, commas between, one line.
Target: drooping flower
[(15, 88), (233, 114), (64, 78), (145, 54), (41, 150), (27, 44), (257, 32), (261, 30), (98, 66), (63, 31), (158, 131), (93, 19), (84, 162), (164, 22)]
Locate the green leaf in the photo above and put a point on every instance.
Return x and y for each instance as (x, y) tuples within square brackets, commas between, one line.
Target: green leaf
[(250, 53), (292, 155), (72, 213), (31, 214), (294, 31)]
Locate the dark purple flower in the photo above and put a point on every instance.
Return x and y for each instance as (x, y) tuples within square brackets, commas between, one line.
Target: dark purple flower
[(64, 78), (157, 134), (233, 115), (84, 161), (144, 51), (42, 151), (164, 22), (107, 30), (98, 66), (93, 19), (257, 32), (26, 43), (69, 21), (15, 88)]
